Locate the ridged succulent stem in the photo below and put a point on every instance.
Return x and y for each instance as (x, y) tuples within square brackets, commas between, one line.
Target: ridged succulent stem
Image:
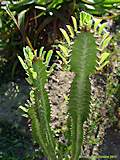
[(83, 60)]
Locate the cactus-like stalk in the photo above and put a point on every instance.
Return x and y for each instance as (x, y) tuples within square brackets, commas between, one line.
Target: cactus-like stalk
[(39, 107), (83, 43), (83, 60)]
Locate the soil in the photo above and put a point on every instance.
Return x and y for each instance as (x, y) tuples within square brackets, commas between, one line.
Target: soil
[(111, 142)]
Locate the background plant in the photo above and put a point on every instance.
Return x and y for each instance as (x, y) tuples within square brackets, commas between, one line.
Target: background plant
[(36, 23), (41, 20)]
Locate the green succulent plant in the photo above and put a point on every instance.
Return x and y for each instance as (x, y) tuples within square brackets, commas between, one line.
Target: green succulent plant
[(84, 43)]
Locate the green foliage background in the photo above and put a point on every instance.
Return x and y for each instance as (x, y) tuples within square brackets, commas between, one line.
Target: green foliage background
[(36, 23)]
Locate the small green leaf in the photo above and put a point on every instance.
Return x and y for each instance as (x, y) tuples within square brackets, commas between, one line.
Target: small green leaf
[(21, 19), (48, 57), (29, 80), (25, 53), (103, 57), (41, 51), (51, 69), (89, 21), (65, 35), (22, 63), (43, 55), (28, 53), (61, 56), (83, 16), (25, 115), (85, 19), (102, 66), (34, 74), (106, 42), (104, 36), (24, 109), (63, 49), (74, 23), (0, 23), (101, 28), (111, 1), (28, 62), (97, 22), (90, 7), (70, 29)]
